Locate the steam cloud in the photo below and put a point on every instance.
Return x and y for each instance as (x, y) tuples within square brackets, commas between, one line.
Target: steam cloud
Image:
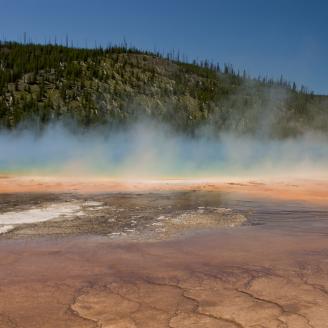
[(147, 150)]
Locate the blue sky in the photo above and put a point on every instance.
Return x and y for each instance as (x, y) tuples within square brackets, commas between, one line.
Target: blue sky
[(265, 37)]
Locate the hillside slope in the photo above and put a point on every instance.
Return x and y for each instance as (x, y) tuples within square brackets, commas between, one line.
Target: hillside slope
[(115, 86)]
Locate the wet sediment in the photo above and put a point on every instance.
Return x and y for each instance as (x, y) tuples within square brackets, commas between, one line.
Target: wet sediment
[(133, 216), (270, 271)]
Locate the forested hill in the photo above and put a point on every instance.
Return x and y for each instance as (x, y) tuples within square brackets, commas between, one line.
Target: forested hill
[(118, 85)]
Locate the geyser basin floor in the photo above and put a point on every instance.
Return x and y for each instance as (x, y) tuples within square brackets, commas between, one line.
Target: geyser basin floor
[(272, 274), (309, 190), (269, 272), (142, 216)]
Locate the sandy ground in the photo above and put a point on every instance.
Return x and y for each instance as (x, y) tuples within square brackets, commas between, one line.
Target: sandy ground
[(268, 272)]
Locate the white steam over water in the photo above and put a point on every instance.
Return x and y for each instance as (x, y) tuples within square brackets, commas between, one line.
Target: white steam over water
[(149, 150)]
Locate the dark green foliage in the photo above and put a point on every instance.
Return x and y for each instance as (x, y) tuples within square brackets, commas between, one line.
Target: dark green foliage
[(116, 85)]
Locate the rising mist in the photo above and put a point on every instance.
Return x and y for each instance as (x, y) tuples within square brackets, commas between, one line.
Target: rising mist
[(147, 149)]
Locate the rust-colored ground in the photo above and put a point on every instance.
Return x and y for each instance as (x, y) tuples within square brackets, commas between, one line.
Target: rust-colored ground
[(306, 190), (271, 275), (242, 278)]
